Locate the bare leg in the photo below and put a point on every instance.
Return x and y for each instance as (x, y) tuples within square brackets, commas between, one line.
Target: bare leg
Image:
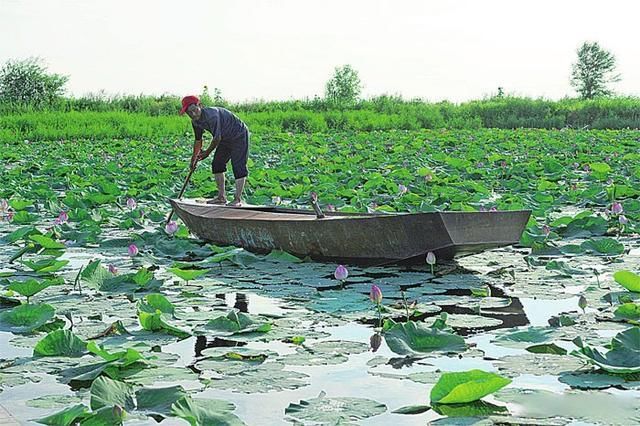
[(237, 199), (221, 198)]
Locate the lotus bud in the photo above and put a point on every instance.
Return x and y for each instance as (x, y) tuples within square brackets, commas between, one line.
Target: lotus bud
[(431, 258), (616, 208), (341, 273), (131, 203), (63, 217), (171, 227), (402, 189), (622, 219), (375, 341), (546, 229), (133, 250), (4, 206), (428, 177), (276, 200), (375, 294), (582, 302)]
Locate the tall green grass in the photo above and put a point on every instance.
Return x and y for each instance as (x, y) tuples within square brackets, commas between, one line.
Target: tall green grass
[(145, 116)]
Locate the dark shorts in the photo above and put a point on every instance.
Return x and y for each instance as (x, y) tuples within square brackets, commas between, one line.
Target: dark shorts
[(236, 150)]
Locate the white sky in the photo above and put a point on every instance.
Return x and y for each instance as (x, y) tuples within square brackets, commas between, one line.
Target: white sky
[(283, 49)]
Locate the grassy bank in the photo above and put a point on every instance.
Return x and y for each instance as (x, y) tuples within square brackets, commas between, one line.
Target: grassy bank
[(156, 117)]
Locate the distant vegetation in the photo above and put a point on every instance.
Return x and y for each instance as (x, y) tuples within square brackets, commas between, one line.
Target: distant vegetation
[(33, 106), (145, 116)]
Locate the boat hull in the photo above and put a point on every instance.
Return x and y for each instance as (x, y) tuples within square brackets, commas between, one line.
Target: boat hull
[(357, 238)]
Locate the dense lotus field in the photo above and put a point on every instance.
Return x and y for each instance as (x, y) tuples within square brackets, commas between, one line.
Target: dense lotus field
[(109, 316)]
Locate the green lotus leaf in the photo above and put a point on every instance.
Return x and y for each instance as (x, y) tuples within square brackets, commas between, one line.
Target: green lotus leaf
[(26, 318), (466, 386), (628, 280), (413, 338), (60, 343)]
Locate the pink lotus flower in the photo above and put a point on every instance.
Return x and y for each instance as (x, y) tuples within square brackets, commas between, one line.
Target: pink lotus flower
[(113, 269), (375, 294), (133, 250), (331, 208), (4, 206), (503, 163), (131, 203), (546, 229), (10, 216), (493, 209), (622, 220), (402, 189), (63, 217), (616, 208), (341, 273), (171, 227)]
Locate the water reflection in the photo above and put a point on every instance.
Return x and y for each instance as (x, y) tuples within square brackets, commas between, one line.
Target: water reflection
[(203, 343)]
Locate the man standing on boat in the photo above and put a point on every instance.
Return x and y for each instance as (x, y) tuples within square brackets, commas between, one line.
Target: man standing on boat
[(230, 141)]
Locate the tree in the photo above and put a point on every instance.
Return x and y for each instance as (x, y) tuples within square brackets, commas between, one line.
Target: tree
[(344, 87), (28, 82), (593, 71)]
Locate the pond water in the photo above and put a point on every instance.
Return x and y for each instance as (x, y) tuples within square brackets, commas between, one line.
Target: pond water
[(337, 321)]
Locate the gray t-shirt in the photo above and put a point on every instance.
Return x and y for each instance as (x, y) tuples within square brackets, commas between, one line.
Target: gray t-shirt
[(222, 123)]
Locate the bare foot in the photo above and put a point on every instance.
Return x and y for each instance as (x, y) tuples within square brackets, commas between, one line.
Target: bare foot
[(217, 200), (236, 203)]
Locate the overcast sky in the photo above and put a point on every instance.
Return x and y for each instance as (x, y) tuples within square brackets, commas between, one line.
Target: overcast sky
[(283, 49)]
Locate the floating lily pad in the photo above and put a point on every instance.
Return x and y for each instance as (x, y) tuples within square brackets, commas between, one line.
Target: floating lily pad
[(237, 322), (334, 410), (54, 401), (324, 353), (523, 337), (418, 339), (536, 364), (25, 318), (270, 377), (603, 246)]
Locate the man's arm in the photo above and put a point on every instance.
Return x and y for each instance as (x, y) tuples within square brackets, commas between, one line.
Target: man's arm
[(197, 149), (208, 151)]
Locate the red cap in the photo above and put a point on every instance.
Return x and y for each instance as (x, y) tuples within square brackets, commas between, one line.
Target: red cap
[(188, 100)]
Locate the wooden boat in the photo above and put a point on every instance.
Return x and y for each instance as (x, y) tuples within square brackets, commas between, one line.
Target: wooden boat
[(358, 238)]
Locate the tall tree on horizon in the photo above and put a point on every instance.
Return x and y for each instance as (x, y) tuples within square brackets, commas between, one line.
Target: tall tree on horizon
[(593, 70)]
